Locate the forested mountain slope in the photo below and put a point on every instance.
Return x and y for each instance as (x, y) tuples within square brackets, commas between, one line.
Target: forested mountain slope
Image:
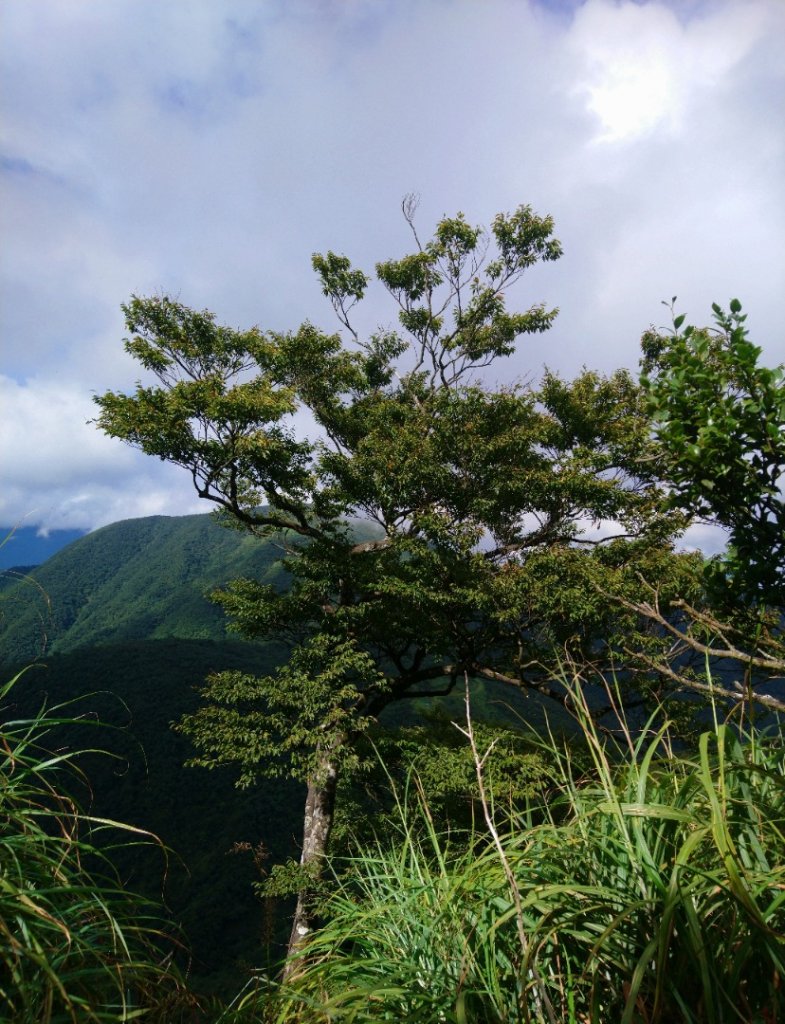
[(138, 579), (136, 690)]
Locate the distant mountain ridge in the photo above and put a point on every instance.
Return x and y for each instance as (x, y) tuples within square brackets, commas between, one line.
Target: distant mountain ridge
[(29, 545), (137, 579)]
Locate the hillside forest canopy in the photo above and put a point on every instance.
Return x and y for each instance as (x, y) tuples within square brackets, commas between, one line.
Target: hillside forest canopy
[(442, 530)]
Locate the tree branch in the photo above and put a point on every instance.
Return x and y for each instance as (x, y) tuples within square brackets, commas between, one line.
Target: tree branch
[(731, 652), (738, 693)]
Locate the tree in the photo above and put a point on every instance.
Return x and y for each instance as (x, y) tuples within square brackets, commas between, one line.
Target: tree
[(417, 526), (720, 419)]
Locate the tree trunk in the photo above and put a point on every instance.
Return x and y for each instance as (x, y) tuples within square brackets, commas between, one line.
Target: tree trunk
[(317, 823)]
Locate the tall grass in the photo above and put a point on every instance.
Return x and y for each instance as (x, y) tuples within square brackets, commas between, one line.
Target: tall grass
[(649, 887), (74, 945)]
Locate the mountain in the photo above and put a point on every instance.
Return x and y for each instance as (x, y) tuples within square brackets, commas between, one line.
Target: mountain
[(28, 545), (140, 579)]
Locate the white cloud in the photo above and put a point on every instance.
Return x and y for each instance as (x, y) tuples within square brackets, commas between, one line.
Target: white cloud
[(59, 471), (705, 537), (208, 149), (643, 67)]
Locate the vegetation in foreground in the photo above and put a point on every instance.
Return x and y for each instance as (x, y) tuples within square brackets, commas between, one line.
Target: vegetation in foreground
[(644, 883), (75, 946), (647, 885)]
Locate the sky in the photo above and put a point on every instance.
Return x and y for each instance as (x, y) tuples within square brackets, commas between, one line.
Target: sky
[(206, 149)]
